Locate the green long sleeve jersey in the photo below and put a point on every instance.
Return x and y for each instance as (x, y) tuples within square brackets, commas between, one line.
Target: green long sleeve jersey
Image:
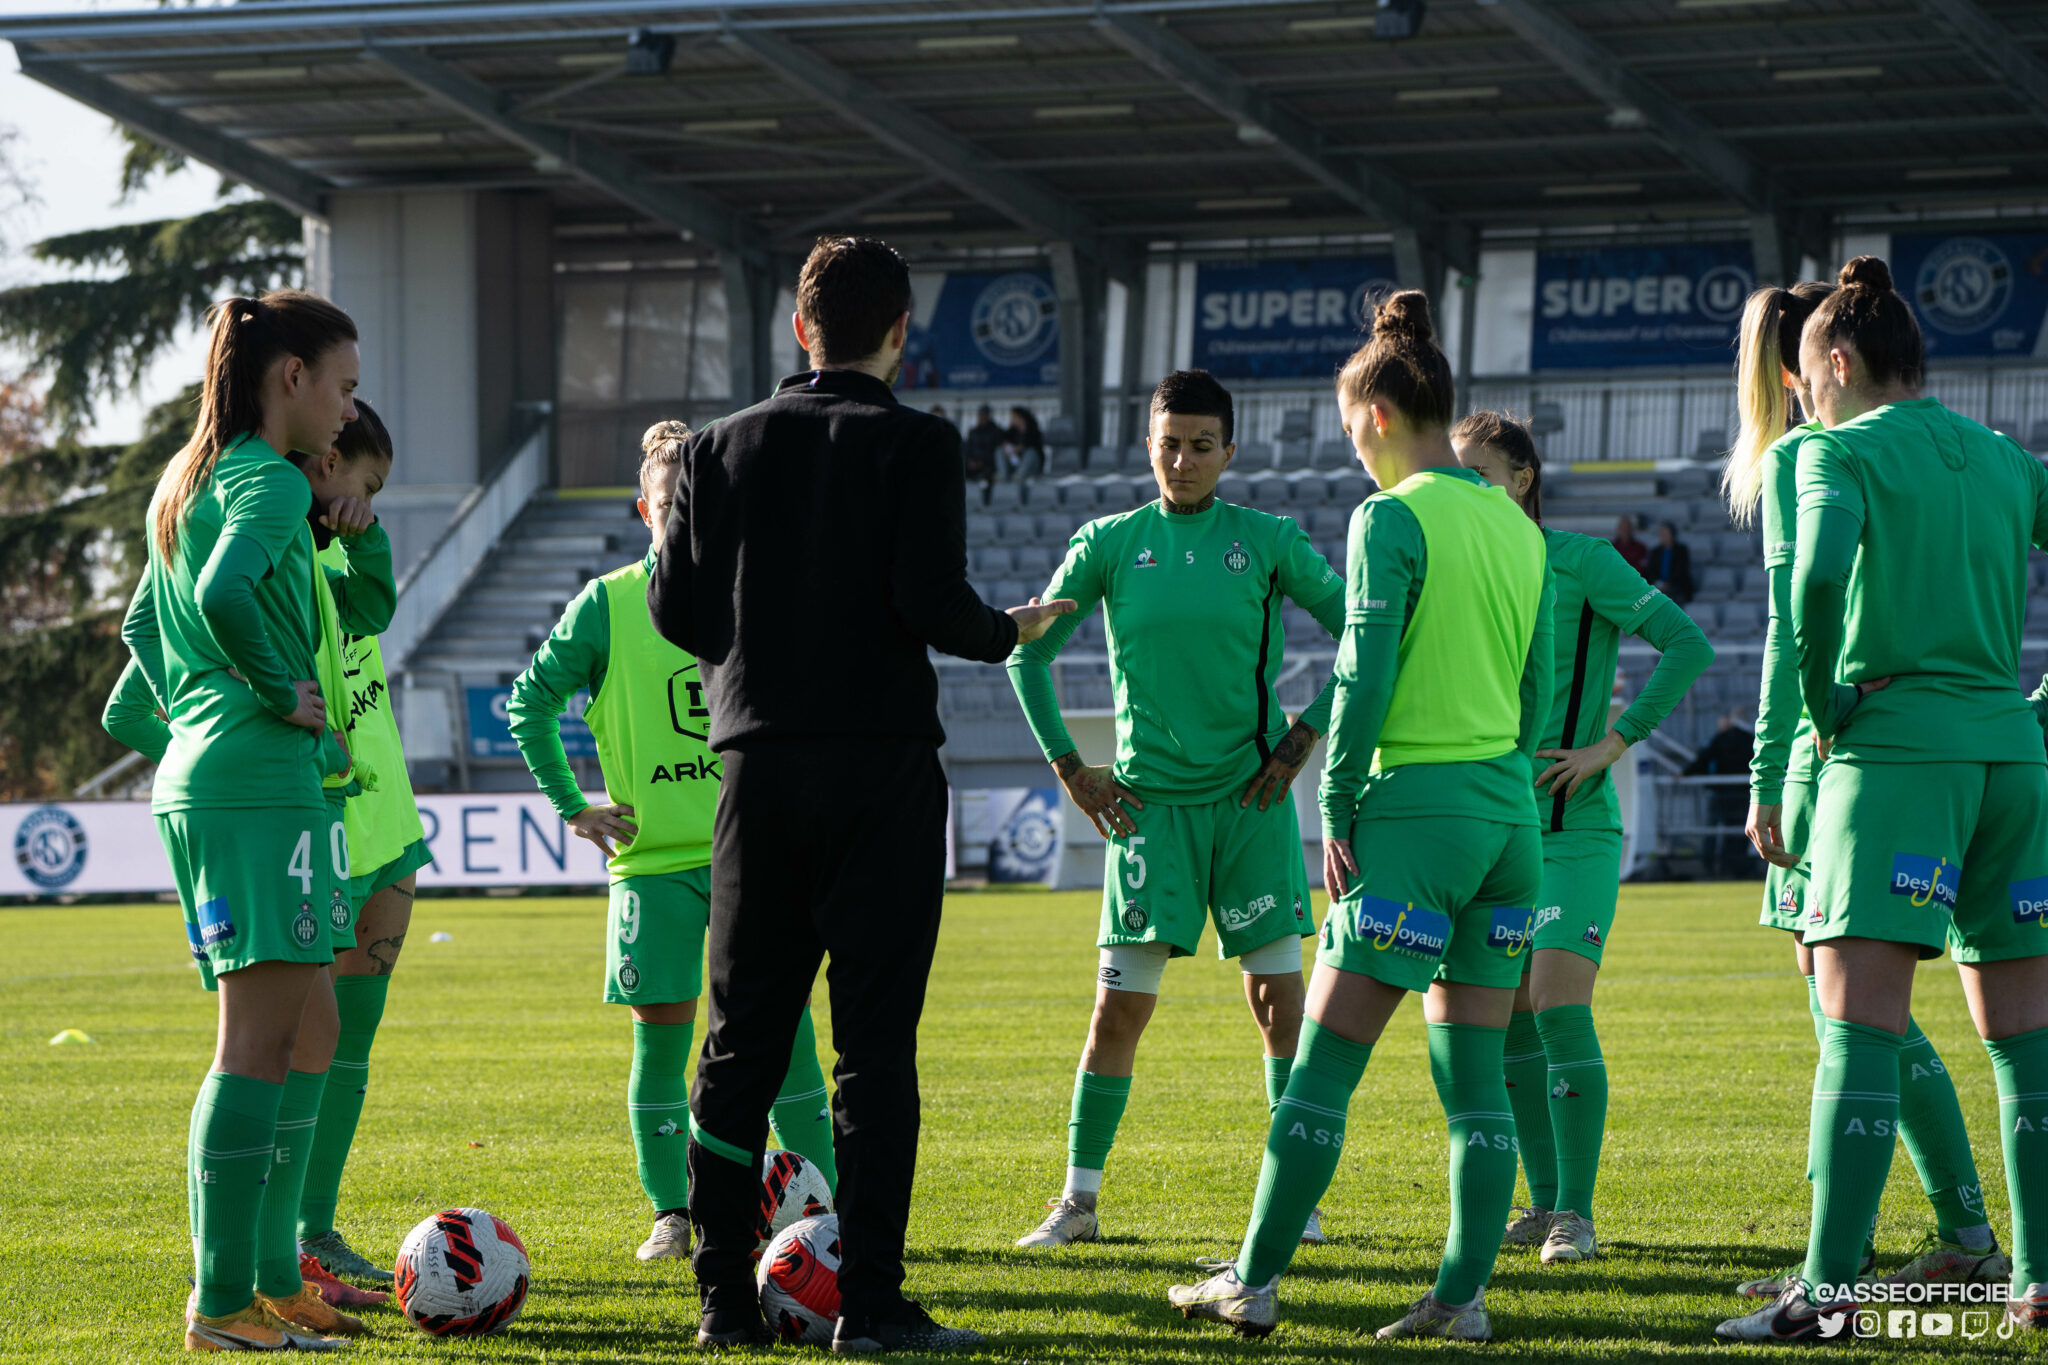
[(131, 715), (1600, 597), (1914, 525), (1784, 732), (1196, 646)]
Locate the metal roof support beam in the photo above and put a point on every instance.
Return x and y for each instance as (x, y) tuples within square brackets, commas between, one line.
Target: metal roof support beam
[(300, 191), (1779, 240), (1993, 47), (1081, 285), (1682, 132), (696, 215), (1295, 139), (750, 291), (1419, 260), (1017, 195)]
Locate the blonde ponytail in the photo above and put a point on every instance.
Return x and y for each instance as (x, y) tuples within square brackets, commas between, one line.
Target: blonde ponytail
[(1769, 333)]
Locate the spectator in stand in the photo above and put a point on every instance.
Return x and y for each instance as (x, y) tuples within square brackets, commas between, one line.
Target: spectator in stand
[(1670, 565), (1632, 548), (1727, 754), (1023, 446), (982, 448)]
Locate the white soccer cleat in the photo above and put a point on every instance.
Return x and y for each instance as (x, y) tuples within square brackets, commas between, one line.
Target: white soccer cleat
[(1791, 1317), (1528, 1228), (1250, 1310), (1940, 1262), (2029, 1310), (670, 1240), (1431, 1317), (1570, 1239), (1771, 1286), (1070, 1221), (1312, 1235)]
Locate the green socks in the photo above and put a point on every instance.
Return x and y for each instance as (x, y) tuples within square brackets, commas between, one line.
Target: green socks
[(1850, 1139), (801, 1118), (1091, 1128), (658, 1104), (1578, 1102), (1302, 1147), (360, 1002), (1465, 1064), (1820, 1016), (2021, 1065), (234, 1128), (1527, 1068), (1276, 1080), (277, 1227), (1931, 1125)]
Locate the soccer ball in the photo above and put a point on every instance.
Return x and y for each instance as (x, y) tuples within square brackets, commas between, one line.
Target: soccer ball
[(461, 1273), (791, 1188), (799, 1280)]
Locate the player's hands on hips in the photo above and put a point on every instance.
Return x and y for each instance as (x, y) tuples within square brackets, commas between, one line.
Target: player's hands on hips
[(1101, 798), (347, 517), (1766, 830), (1271, 781), (1824, 747), (311, 712), (1339, 867), (1574, 766), (599, 824), (1034, 619)]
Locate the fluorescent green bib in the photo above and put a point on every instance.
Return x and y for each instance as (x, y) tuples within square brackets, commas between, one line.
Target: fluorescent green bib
[(1458, 696), (650, 722), (328, 670), (383, 823)]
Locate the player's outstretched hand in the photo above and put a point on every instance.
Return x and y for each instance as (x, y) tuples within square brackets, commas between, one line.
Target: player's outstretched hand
[(311, 712), (1271, 781), (1101, 798), (1036, 618), (599, 824), (1574, 766), (1766, 830), (1339, 867), (347, 517)]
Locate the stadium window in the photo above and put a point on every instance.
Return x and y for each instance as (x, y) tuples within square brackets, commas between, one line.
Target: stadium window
[(658, 339), (710, 374), (593, 360)]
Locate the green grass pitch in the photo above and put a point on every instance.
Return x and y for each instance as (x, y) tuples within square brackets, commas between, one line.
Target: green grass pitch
[(498, 1080)]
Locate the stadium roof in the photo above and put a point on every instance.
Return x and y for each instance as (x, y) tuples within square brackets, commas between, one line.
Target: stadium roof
[(1110, 125)]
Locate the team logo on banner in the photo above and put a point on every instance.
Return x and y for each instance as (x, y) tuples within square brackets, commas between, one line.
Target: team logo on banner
[(1015, 319), (1963, 285), (1721, 292), (1026, 846), (50, 847)]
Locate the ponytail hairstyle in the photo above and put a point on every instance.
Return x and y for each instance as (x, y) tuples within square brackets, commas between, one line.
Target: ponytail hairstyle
[(1869, 314), (661, 447), (1768, 345), (1401, 365), (1502, 433), (248, 336)]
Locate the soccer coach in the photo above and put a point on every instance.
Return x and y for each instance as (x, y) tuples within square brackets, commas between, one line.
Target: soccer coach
[(816, 548)]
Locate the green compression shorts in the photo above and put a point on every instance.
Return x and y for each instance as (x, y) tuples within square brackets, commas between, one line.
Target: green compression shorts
[(1785, 887), (1447, 898), (1187, 864), (1932, 853), (1581, 882), (256, 885), (654, 954), (360, 889)]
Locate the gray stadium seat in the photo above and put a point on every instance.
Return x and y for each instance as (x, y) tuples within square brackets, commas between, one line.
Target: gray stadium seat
[(2037, 616), (1078, 497), (1705, 615), (1101, 459), (1034, 562), (1739, 547), (993, 561), (1712, 444), (1005, 497), (1062, 460), (1333, 452), (1093, 633), (1718, 583), (1009, 592), (1016, 529), (1349, 488), (1234, 488), (981, 529), (2008, 425), (1691, 483), (1741, 620), (1269, 491), (1309, 490), (2037, 439), (1331, 520)]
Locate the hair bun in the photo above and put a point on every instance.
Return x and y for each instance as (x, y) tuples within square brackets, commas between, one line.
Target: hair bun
[(669, 430), (1404, 314), (1867, 272)]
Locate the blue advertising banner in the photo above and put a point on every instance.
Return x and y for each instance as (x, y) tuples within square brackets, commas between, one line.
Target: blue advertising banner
[(1650, 305), (1976, 295), (983, 332), (1285, 319), (490, 729)]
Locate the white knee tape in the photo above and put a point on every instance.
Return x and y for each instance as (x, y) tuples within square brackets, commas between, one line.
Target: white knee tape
[(1273, 959), (1133, 967)]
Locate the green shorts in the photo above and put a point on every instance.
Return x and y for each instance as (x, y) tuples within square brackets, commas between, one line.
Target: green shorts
[(1187, 864), (1932, 853), (416, 856), (1447, 898), (256, 884), (1581, 882), (1785, 887), (341, 907), (654, 954)]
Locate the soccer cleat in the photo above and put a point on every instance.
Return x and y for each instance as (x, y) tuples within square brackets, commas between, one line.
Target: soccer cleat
[(733, 1321), (1940, 1262), (1312, 1235), (1250, 1310), (1790, 1317), (1528, 1228), (340, 1260), (1431, 1317), (915, 1330), (334, 1291), (255, 1328), (1069, 1221), (308, 1312), (2029, 1310), (1570, 1239), (670, 1240), (1771, 1286)]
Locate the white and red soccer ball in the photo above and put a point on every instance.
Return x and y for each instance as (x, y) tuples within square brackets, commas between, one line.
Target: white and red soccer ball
[(791, 1188), (799, 1280), (461, 1273)]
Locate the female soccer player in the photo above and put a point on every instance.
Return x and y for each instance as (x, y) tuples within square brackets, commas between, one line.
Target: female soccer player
[(225, 627), (1760, 474), (1196, 807), (647, 711), (1430, 847), (1930, 821), (1557, 1080)]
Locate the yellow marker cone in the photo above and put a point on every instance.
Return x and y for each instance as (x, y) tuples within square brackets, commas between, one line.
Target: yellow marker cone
[(71, 1035)]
